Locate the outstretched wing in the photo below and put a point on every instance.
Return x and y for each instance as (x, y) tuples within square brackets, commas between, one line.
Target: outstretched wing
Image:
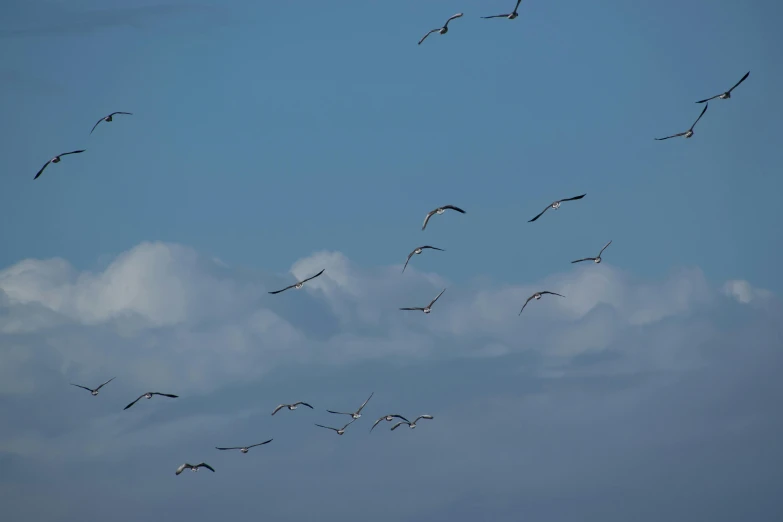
[(541, 214), (739, 82), (261, 443), (120, 112), (672, 136), (585, 259), (423, 417), (182, 468), (80, 386), (416, 308), (452, 207), (700, 115), (526, 302), (551, 293), (604, 248), (134, 402), (708, 99), (574, 198), (433, 301), (376, 423), (398, 425), (313, 277), (327, 427), (166, 395), (222, 449), (42, 169), (283, 290), (303, 404), (104, 384), (422, 39), (93, 127), (72, 152), (496, 16), (432, 247), (352, 421), (205, 465), (365, 403), (339, 412), (407, 260), (427, 218), (279, 408), (452, 17)]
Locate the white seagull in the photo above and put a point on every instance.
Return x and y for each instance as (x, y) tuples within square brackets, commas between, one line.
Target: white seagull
[(726, 95), (439, 211), (357, 413), (56, 159), (537, 296), (427, 309), (244, 449), (688, 133), (441, 30), (291, 406), (513, 14), (149, 395), (95, 391), (556, 205), (109, 118), (298, 285), (340, 431), (194, 468), (594, 259), (411, 425), (417, 251), (388, 418)]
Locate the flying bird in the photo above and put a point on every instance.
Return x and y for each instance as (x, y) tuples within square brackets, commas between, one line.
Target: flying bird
[(387, 418), (299, 284), (537, 296), (109, 118), (439, 211), (596, 259), (149, 395), (556, 205), (441, 30), (291, 406), (419, 251), (357, 413), (95, 391), (244, 449), (340, 431), (726, 95), (411, 425), (689, 132), (513, 14), (427, 309), (191, 467), (56, 159)]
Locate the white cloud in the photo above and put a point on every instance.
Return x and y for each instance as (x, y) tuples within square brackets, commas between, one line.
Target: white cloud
[(744, 293)]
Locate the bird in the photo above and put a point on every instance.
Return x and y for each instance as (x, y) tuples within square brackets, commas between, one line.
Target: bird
[(689, 132), (291, 406), (56, 159), (299, 284), (191, 467), (439, 211), (109, 118), (419, 250), (556, 205), (358, 412), (149, 395), (596, 259), (341, 430), (427, 309), (537, 296), (95, 391), (726, 95), (388, 418), (244, 449), (411, 425), (441, 30), (513, 14)]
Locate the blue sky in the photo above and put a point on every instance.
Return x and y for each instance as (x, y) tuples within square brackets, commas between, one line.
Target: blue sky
[(272, 139)]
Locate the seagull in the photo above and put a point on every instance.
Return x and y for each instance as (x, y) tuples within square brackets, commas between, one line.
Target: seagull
[(149, 395), (291, 406), (56, 159), (95, 391), (419, 251), (726, 95), (513, 14), (108, 118), (341, 430), (689, 132), (537, 296), (427, 309), (441, 30), (439, 211), (387, 418), (594, 259), (299, 284), (556, 205), (244, 449), (358, 412), (411, 425), (191, 467)]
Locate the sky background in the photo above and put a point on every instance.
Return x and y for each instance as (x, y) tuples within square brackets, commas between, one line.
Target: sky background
[(270, 140)]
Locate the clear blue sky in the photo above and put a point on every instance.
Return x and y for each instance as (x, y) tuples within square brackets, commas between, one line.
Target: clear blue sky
[(263, 132)]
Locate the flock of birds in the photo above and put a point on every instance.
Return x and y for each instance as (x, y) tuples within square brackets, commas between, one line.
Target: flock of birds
[(555, 205)]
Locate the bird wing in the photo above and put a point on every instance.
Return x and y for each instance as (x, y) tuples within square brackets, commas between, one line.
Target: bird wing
[(339, 412), (303, 404), (261, 443), (427, 218), (708, 99), (182, 468), (422, 39), (283, 290), (452, 207), (517, 6), (423, 417), (432, 247), (416, 308), (72, 152), (399, 424), (80, 386), (327, 427), (700, 115), (227, 448), (526, 302), (279, 408), (452, 17), (365, 403), (104, 384), (433, 301), (604, 248), (407, 260), (496, 16), (120, 112), (134, 402), (585, 259), (672, 136), (42, 169), (541, 214), (401, 417), (739, 82), (352, 421), (548, 292), (376, 423), (205, 465), (313, 277), (93, 127), (574, 198), (166, 395)]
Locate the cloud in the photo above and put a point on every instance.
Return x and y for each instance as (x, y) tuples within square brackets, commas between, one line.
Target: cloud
[(744, 293)]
